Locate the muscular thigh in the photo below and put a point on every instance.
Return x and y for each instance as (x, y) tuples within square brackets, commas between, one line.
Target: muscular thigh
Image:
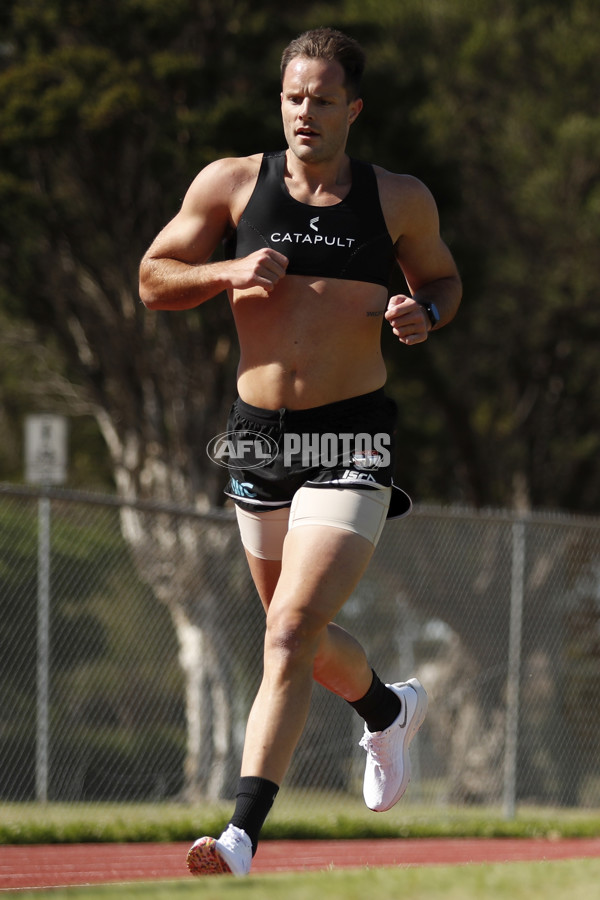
[(336, 516), (321, 566)]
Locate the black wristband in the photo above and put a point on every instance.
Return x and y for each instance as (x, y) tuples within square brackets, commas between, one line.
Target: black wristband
[(432, 313)]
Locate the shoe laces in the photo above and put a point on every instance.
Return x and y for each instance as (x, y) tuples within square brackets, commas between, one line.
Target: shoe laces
[(235, 839), (376, 746)]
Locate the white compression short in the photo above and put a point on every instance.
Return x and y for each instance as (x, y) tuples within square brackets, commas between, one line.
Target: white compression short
[(361, 511)]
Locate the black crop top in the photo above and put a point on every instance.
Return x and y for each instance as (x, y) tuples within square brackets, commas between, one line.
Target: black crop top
[(349, 240)]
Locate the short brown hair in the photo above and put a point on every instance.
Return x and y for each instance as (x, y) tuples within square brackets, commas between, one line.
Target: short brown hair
[(327, 43)]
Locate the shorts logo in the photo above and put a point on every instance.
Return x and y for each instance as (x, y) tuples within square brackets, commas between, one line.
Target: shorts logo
[(242, 450), (368, 459), (242, 488), (350, 475)]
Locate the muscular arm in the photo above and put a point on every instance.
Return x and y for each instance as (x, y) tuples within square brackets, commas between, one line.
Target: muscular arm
[(175, 272), (426, 262)]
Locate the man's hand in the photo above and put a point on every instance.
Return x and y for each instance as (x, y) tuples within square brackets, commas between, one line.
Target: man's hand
[(264, 268), (410, 322)]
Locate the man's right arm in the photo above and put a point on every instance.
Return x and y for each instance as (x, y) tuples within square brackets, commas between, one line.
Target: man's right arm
[(175, 272)]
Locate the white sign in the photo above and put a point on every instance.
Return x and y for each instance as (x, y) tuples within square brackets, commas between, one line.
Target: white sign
[(46, 449)]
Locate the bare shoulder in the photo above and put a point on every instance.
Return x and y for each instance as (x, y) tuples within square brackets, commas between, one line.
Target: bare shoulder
[(406, 202), (230, 171), (404, 187), (225, 183), (211, 207)]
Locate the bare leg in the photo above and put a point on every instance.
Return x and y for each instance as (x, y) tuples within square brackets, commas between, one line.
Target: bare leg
[(321, 566)]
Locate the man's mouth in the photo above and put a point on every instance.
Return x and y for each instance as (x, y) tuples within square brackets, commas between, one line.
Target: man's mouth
[(306, 132)]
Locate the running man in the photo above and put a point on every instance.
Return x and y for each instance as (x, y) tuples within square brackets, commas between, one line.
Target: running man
[(312, 236)]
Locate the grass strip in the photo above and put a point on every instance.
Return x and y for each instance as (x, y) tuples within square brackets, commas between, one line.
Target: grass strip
[(575, 879), (31, 823)]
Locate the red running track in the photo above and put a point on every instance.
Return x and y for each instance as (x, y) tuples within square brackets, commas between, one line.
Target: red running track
[(56, 865)]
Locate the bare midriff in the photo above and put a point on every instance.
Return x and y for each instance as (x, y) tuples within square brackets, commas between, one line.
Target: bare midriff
[(310, 342)]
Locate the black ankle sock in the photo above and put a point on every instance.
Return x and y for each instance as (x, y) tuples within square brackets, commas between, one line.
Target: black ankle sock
[(253, 802), (379, 707)]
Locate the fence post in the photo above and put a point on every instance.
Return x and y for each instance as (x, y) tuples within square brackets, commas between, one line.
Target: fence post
[(43, 650), (517, 591)]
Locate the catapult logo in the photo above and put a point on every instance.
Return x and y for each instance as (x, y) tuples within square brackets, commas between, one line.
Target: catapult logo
[(241, 449), (299, 237)]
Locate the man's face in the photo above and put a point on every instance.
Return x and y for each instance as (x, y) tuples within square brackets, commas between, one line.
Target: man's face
[(315, 108)]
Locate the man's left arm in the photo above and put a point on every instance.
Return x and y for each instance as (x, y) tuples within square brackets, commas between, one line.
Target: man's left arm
[(428, 267)]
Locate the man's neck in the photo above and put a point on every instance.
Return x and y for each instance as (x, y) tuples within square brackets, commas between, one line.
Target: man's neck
[(321, 180)]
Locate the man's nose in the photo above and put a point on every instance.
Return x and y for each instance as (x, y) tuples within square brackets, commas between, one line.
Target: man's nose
[(306, 109)]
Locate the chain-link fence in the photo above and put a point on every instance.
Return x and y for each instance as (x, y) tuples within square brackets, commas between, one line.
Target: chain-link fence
[(131, 643)]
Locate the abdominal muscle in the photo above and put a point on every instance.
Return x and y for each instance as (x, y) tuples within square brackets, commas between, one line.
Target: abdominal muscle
[(309, 342)]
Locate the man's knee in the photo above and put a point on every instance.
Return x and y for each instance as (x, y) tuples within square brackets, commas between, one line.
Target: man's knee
[(292, 635)]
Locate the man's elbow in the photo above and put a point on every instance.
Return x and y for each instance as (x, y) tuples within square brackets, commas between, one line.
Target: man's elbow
[(149, 293), (148, 298)]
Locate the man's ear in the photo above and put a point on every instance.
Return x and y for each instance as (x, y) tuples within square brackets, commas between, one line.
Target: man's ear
[(355, 108)]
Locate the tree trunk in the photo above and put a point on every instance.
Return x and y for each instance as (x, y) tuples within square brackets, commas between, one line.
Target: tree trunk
[(180, 558)]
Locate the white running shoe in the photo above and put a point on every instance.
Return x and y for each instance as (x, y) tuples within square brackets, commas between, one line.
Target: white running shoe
[(387, 771), (231, 854)]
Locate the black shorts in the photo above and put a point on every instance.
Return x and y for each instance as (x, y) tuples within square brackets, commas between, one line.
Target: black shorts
[(349, 443)]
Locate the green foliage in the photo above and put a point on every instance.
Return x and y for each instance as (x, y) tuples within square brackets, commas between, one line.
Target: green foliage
[(108, 110), (128, 718), (329, 818), (18, 587), (512, 110), (493, 108)]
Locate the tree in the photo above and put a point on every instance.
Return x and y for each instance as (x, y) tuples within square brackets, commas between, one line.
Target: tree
[(95, 645), (513, 111), (492, 104), (108, 111), (503, 409)]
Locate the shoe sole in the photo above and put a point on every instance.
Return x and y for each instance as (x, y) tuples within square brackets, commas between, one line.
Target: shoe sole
[(412, 727), (204, 859)]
